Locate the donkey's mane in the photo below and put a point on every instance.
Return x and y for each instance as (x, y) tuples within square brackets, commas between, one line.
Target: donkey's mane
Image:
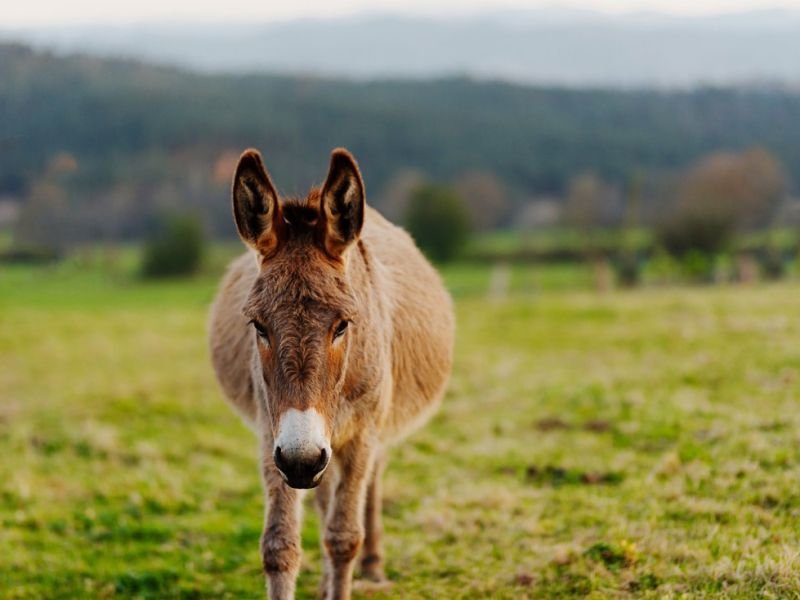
[(301, 214)]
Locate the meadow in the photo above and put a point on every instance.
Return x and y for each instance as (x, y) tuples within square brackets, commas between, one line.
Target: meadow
[(641, 443)]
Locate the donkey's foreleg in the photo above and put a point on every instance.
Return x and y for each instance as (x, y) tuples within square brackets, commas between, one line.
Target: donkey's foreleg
[(322, 497), (372, 553), (280, 541), (344, 529)]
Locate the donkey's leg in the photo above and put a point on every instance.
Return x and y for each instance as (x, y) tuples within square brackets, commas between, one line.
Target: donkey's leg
[(372, 553), (344, 530), (280, 541), (322, 497)]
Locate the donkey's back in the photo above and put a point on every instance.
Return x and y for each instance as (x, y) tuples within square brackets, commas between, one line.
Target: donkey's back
[(422, 325)]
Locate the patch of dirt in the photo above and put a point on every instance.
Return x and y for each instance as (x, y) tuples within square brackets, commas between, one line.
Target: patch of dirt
[(597, 426), (551, 424), (553, 475)]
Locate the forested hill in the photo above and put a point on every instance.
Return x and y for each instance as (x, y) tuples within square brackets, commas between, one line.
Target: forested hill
[(129, 124)]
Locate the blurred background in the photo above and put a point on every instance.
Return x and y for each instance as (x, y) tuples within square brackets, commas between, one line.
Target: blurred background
[(609, 188), (659, 143)]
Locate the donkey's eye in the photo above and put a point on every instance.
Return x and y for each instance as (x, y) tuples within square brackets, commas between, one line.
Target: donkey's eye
[(261, 331), (340, 329)]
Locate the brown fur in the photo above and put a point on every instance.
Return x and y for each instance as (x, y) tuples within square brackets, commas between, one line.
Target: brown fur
[(315, 262)]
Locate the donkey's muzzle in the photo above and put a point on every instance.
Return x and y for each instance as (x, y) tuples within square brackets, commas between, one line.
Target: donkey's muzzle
[(301, 470)]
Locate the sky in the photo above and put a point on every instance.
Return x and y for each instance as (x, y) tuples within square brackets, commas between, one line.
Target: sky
[(55, 12)]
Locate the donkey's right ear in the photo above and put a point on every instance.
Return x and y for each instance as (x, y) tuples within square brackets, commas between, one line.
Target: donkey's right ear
[(255, 204)]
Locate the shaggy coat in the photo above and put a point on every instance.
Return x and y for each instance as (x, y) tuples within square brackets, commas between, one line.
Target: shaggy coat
[(333, 338)]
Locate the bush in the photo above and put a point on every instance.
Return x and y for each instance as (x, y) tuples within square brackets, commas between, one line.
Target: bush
[(695, 238), (29, 255), (695, 232), (698, 266), (438, 220), (176, 249), (628, 267), (774, 262)]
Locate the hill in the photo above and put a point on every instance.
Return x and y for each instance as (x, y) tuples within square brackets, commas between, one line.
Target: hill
[(135, 133)]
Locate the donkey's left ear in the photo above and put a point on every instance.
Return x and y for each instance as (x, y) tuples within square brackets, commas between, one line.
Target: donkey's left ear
[(343, 201)]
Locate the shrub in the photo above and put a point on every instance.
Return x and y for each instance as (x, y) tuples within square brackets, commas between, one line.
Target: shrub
[(691, 232), (628, 268), (29, 254), (695, 237), (698, 266), (438, 220), (176, 249), (774, 262)]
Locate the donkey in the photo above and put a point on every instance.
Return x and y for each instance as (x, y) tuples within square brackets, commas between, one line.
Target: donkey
[(333, 338)]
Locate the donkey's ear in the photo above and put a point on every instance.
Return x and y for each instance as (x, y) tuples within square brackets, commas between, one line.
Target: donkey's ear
[(342, 203), (255, 204)]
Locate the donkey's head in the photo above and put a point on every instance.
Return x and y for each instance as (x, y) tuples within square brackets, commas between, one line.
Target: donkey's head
[(301, 307)]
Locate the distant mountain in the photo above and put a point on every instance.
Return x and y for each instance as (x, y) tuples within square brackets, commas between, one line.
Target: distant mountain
[(576, 48)]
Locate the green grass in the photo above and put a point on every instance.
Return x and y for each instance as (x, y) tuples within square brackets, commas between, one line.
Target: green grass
[(507, 242), (504, 243), (627, 444)]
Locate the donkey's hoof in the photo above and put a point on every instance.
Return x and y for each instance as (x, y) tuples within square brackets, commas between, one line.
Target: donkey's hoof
[(372, 569), (373, 575)]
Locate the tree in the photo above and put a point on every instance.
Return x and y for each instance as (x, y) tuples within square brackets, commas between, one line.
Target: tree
[(720, 195), (177, 248), (744, 188), (395, 197), (590, 203), (41, 219), (438, 220), (485, 196)]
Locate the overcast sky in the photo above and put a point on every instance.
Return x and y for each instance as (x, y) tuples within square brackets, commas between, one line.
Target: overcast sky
[(44, 12)]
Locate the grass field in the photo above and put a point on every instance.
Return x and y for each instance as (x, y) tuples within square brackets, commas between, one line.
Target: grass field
[(630, 444)]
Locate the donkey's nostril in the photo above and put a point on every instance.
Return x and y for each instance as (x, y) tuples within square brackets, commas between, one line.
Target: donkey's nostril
[(301, 468), (278, 458), (323, 460)]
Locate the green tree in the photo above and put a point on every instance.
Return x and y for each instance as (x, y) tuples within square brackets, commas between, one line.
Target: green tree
[(176, 249), (438, 220)]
